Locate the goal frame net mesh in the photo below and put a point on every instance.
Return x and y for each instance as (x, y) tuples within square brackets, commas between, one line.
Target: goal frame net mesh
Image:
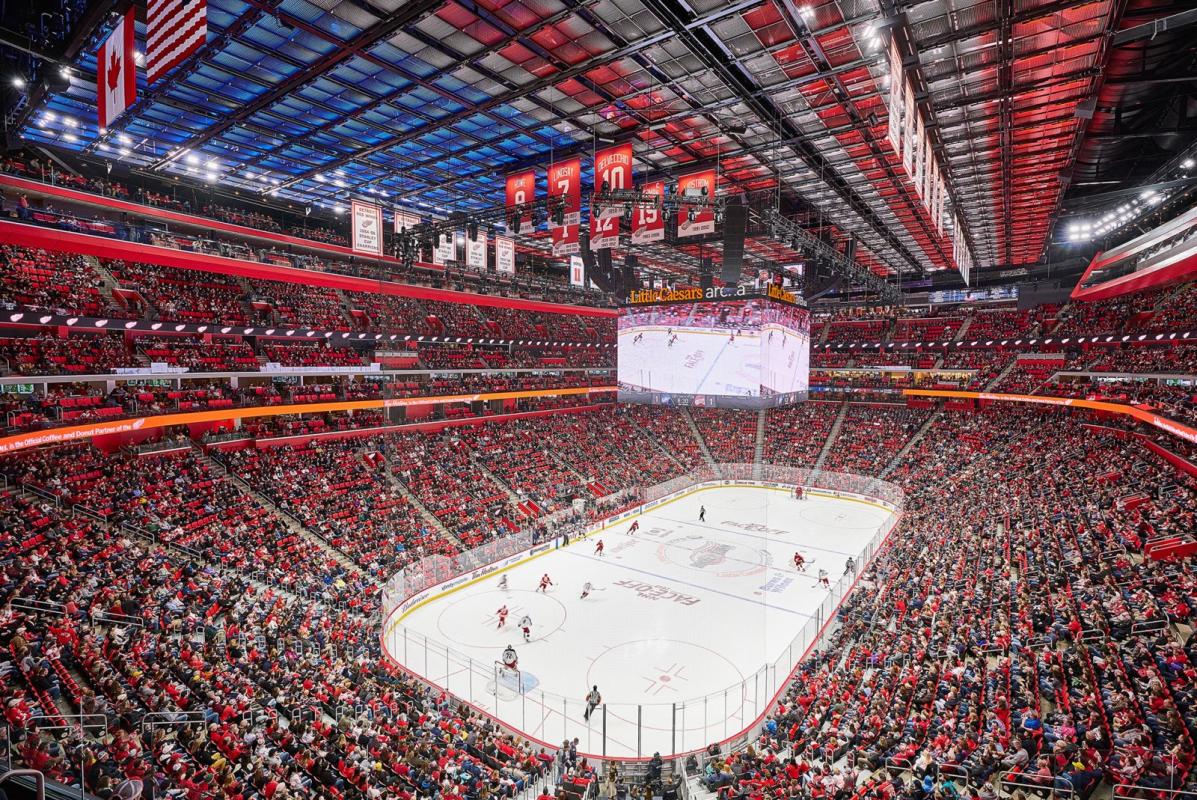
[(506, 682)]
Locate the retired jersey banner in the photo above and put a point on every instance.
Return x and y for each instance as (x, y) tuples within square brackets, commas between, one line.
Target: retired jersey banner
[(475, 251), (504, 255), (565, 181), (577, 271), (612, 166), (521, 191), (693, 220), (648, 222), (366, 228), (604, 232), (116, 76)]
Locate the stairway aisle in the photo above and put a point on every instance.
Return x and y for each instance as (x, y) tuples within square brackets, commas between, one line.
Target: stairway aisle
[(832, 435)]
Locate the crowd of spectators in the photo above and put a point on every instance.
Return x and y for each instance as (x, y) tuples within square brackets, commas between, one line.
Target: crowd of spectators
[(1012, 636), (551, 287)]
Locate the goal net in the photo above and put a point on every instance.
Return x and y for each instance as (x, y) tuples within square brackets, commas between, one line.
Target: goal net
[(506, 684)]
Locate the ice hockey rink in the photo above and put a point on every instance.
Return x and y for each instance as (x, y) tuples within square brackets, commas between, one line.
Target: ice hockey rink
[(690, 628), (701, 361)]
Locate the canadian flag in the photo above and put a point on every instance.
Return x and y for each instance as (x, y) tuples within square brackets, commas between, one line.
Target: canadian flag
[(116, 77)]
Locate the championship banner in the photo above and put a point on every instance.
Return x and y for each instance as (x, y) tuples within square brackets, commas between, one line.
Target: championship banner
[(928, 157), (504, 255), (603, 232), (941, 204), (444, 250), (565, 181), (366, 228), (935, 190), (911, 111), (521, 190), (405, 220), (612, 166), (475, 251), (696, 221), (894, 127), (648, 223), (920, 158), (577, 271)]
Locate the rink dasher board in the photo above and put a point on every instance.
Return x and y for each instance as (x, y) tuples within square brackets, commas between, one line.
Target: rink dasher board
[(458, 582)]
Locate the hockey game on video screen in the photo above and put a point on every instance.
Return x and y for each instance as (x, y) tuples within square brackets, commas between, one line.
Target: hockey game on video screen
[(691, 349), (785, 350)]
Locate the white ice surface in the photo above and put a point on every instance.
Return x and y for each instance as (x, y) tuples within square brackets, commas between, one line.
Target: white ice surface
[(702, 361), (682, 611)]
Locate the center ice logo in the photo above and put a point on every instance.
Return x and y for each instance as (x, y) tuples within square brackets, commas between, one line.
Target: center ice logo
[(709, 554), (713, 557)]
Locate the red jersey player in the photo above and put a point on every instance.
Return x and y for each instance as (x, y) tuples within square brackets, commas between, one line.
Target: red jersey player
[(635, 527), (545, 583), (598, 548), (799, 562), (502, 612), (797, 492)]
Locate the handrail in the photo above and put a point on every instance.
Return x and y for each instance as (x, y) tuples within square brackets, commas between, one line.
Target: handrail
[(1170, 426), (1004, 780), (39, 779), (74, 433)]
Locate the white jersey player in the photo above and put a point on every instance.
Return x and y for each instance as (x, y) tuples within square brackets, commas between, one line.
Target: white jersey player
[(586, 587), (526, 627), (503, 581), (823, 578)]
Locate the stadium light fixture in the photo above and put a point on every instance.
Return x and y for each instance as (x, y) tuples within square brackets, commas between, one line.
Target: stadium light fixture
[(18, 82), (1187, 164)]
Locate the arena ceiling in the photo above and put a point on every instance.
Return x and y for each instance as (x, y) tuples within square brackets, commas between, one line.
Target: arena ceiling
[(427, 104)]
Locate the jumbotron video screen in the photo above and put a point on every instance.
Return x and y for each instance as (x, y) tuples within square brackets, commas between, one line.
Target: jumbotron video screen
[(742, 351)]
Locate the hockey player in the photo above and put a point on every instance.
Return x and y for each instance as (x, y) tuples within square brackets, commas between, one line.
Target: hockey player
[(502, 612), (798, 493), (526, 627), (545, 583), (598, 548), (503, 581), (635, 527), (850, 566), (823, 578), (799, 562), (510, 659), (702, 513), (586, 587)]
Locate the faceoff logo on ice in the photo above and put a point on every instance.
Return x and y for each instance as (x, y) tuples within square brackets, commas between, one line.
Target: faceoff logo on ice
[(713, 557)]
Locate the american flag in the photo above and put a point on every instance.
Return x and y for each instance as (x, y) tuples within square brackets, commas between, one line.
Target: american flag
[(175, 29)]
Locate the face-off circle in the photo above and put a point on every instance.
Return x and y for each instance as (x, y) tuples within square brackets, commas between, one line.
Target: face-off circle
[(470, 620), (662, 670)]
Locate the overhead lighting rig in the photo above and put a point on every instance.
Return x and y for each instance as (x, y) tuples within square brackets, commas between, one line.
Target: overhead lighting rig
[(789, 232)]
